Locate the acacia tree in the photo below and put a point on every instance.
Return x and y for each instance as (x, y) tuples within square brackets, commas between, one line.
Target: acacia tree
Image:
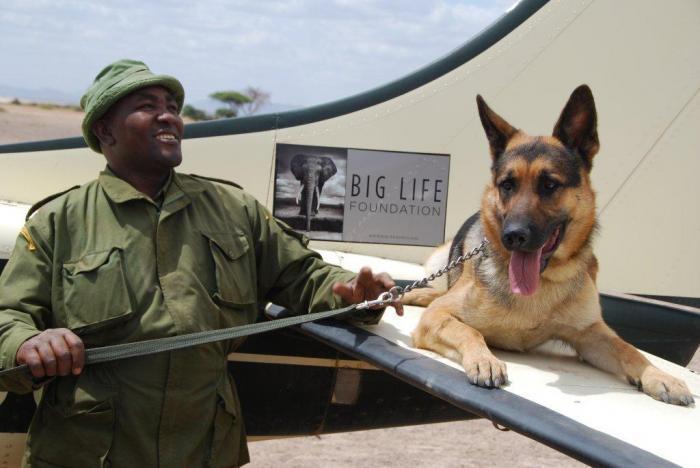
[(258, 98), (246, 103), (233, 100), (194, 113)]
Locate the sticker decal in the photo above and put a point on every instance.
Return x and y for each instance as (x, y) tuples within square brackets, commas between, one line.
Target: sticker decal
[(356, 195)]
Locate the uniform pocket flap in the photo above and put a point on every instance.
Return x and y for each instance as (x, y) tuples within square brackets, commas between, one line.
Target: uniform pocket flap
[(89, 262), (232, 244), (94, 292)]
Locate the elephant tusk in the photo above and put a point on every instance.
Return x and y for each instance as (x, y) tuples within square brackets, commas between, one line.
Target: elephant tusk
[(301, 187), (318, 198)]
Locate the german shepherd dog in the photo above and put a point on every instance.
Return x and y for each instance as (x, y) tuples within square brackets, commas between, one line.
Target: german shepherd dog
[(537, 278)]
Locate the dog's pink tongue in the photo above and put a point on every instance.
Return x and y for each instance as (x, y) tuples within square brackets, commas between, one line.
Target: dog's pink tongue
[(524, 272)]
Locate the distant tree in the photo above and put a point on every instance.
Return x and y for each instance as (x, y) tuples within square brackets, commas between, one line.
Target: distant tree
[(194, 113), (233, 99), (258, 98), (224, 113), (246, 103)]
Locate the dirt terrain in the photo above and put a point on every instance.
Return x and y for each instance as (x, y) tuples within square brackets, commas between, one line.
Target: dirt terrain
[(26, 123), (458, 444)]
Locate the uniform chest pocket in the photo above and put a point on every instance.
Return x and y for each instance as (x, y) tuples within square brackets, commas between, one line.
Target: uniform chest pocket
[(235, 280), (95, 292)]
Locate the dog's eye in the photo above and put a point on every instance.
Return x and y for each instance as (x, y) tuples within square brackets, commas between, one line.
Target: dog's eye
[(507, 185), (550, 185)]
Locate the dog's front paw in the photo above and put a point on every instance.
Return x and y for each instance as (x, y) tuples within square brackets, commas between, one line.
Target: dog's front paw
[(485, 370), (661, 386)]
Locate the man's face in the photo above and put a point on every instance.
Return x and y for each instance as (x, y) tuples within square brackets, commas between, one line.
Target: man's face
[(142, 132)]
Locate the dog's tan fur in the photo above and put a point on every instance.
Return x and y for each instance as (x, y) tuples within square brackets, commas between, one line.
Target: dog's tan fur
[(479, 308)]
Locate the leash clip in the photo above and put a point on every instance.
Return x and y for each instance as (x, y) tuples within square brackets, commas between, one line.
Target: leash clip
[(384, 298)]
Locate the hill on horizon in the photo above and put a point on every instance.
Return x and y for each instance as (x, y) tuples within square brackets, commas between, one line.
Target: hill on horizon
[(54, 96)]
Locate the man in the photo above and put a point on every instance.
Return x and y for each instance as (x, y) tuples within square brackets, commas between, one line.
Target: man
[(140, 253)]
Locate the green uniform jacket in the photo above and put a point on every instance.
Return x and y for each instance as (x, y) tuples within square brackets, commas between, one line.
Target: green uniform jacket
[(107, 262)]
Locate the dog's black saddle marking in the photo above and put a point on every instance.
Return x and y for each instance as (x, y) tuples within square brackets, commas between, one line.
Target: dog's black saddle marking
[(457, 248)]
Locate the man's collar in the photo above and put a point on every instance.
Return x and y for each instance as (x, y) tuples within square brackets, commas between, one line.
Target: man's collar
[(175, 188), (117, 189), (188, 184), (159, 198)]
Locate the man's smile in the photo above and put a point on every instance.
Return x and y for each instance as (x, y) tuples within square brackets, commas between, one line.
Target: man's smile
[(167, 136)]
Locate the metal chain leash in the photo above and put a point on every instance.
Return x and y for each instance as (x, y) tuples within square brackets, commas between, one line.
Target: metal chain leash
[(397, 292)]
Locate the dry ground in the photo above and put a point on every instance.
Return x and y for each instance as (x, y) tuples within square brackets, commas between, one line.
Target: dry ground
[(457, 444), (26, 123), (474, 443)]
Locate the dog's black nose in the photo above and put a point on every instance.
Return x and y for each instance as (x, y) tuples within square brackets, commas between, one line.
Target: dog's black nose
[(515, 236)]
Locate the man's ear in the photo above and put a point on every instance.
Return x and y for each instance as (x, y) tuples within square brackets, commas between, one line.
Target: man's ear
[(498, 131), (577, 125), (102, 130)]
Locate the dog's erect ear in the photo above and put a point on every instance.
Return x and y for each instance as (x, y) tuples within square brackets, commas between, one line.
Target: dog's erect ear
[(498, 131), (577, 125)]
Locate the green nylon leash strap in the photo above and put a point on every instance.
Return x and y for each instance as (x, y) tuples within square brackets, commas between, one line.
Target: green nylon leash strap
[(171, 343)]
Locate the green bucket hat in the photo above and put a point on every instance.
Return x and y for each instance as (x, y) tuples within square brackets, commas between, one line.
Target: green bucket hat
[(113, 83)]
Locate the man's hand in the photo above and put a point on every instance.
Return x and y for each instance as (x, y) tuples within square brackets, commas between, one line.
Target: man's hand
[(56, 351), (366, 286)]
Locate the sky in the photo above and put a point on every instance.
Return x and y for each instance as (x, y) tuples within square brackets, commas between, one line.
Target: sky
[(301, 52)]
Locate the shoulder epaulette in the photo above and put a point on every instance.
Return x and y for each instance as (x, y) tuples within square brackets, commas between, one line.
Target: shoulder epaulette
[(44, 201), (221, 181)]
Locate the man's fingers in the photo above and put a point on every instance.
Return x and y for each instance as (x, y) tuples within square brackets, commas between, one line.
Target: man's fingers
[(374, 285), (365, 279), (77, 351), (62, 355), (343, 290), (48, 359), (385, 280), (367, 286), (31, 358), (365, 275), (348, 292), (53, 352)]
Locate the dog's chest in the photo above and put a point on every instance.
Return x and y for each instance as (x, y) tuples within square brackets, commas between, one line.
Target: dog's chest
[(511, 329)]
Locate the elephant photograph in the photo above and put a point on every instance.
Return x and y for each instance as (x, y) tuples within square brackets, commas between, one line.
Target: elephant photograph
[(310, 189)]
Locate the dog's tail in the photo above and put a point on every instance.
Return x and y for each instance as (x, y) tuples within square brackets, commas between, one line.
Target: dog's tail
[(422, 297)]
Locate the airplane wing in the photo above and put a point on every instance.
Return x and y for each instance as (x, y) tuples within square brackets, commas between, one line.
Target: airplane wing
[(554, 398)]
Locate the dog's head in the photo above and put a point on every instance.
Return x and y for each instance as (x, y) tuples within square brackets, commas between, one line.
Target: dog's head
[(539, 210)]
